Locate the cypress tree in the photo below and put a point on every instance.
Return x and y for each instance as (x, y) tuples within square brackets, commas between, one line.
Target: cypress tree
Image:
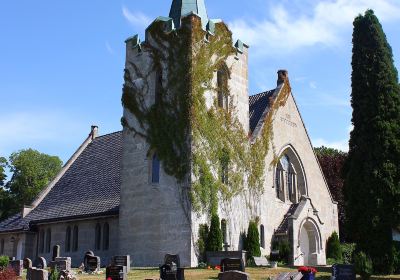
[(253, 241), (372, 170), (214, 240)]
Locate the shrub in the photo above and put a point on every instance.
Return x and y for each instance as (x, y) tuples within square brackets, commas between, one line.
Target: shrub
[(4, 260), (363, 265), (214, 239), (7, 274), (348, 252), (333, 248), (54, 274), (330, 261), (283, 246), (202, 241), (252, 242)]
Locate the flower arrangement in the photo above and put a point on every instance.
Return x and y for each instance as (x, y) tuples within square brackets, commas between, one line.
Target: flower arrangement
[(307, 270)]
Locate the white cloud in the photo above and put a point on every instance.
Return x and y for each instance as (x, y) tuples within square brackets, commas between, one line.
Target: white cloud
[(342, 145), (282, 30), (109, 48), (137, 19)]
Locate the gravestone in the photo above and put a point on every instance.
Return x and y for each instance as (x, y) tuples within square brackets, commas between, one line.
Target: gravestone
[(89, 253), (343, 272), (17, 266), (39, 274), (171, 269), (261, 261), (92, 263), (67, 260), (61, 265), (27, 263), (40, 263), (170, 259), (56, 252), (233, 275), (122, 260), (116, 272), (232, 264), (289, 276)]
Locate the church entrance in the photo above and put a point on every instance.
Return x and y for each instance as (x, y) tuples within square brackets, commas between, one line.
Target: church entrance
[(309, 243)]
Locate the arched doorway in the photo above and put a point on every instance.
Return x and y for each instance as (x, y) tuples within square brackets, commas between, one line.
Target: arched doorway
[(310, 242)]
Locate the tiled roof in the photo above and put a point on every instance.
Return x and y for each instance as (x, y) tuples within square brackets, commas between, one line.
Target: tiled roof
[(180, 8), (284, 225), (90, 187), (257, 105)]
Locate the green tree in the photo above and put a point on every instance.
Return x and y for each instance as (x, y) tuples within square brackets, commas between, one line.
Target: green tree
[(3, 166), (31, 172), (371, 172), (214, 239), (333, 248), (253, 241)]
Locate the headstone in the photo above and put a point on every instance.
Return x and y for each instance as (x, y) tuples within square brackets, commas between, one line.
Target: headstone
[(122, 260), (67, 260), (343, 272), (27, 263), (17, 266), (40, 263), (56, 252), (170, 259), (61, 265), (39, 274), (89, 253), (289, 276), (261, 261), (116, 272), (92, 263), (233, 275), (232, 264)]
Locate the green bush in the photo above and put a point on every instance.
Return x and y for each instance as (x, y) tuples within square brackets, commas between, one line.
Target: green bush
[(283, 246), (202, 241), (330, 261), (333, 248), (348, 252), (363, 265), (54, 274), (4, 260), (214, 239), (253, 242)]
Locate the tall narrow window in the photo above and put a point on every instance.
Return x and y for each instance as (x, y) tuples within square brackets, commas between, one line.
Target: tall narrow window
[(68, 239), (158, 87), (41, 241), (106, 236), (278, 182), (262, 236), (222, 80), (75, 240), (224, 160), (48, 240), (155, 169), (97, 237), (2, 247), (224, 232)]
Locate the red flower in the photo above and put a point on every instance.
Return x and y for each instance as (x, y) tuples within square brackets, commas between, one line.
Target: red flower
[(218, 267), (307, 269)]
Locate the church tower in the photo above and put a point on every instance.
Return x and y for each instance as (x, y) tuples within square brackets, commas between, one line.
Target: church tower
[(186, 65)]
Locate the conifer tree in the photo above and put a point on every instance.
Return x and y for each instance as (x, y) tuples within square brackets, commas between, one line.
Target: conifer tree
[(253, 241), (372, 170), (214, 240)]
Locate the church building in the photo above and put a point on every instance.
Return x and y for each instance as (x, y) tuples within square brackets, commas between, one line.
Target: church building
[(194, 144)]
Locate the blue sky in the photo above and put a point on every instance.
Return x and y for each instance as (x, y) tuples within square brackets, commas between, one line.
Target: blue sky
[(61, 62)]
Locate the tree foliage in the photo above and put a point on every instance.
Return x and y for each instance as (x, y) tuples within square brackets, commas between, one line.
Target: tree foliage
[(3, 166), (214, 239), (332, 161), (372, 173), (333, 248), (31, 172), (253, 241)]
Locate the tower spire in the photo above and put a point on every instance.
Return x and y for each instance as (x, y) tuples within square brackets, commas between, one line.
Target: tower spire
[(180, 8)]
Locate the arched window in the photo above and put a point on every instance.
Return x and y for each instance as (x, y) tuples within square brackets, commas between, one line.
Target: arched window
[(223, 94), (158, 86), (262, 236), (41, 241), (97, 237), (224, 232), (48, 240), (68, 239), (75, 240), (2, 247), (155, 169), (106, 236)]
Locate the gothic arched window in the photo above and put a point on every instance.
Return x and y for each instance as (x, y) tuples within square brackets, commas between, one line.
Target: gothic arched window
[(48, 240), (155, 169), (262, 236), (68, 239), (224, 231), (75, 240), (222, 83), (106, 236), (97, 237)]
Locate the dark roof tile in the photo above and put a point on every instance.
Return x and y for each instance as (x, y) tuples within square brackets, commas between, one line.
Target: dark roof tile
[(257, 105)]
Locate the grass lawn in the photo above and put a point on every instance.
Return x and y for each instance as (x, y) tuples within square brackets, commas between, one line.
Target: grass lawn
[(204, 274)]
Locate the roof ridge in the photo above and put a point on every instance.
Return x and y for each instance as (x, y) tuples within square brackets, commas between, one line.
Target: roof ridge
[(108, 134)]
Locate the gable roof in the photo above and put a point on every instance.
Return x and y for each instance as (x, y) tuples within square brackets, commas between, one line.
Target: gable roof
[(89, 188), (257, 105)]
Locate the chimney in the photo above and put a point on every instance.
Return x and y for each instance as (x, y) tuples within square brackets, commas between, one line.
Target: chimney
[(94, 132), (283, 75)]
